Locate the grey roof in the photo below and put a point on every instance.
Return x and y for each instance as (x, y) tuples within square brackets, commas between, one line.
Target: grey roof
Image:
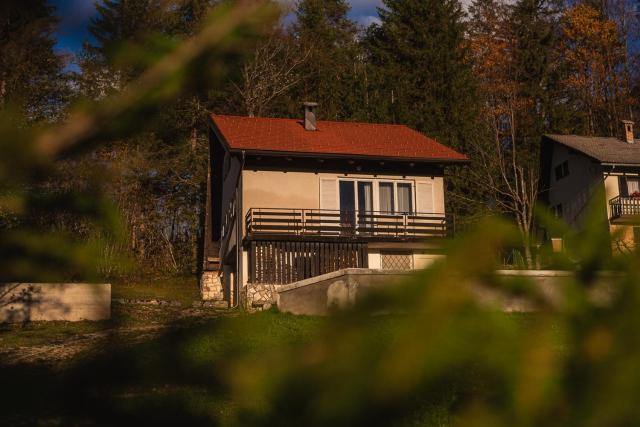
[(604, 149)]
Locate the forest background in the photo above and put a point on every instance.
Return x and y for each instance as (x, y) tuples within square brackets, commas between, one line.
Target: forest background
[(488, 78)]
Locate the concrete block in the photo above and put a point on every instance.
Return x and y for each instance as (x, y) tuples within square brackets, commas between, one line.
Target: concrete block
[(22, 302)]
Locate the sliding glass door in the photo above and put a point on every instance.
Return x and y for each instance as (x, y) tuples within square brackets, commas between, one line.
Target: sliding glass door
[(362, 202), (386, 197), (365, 204), (405, 199), (347, 205)]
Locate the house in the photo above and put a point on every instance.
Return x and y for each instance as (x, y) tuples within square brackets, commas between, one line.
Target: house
[(574, 169), (291, 199)]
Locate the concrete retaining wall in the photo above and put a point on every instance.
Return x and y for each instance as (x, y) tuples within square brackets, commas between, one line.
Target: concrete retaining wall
[(22, 302), (340, 289)]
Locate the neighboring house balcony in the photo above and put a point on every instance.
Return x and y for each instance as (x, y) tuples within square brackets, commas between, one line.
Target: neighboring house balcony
[(364, 226), (624, 210)]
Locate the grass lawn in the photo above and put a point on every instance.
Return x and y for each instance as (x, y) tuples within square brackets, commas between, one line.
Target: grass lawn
[(182, 289), (175, 373), (156, 365)]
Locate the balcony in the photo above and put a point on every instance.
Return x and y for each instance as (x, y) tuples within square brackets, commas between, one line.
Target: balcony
[(624, 210), (347, 224)]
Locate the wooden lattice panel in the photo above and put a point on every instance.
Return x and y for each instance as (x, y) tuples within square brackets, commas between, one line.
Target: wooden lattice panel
[(396, 261)]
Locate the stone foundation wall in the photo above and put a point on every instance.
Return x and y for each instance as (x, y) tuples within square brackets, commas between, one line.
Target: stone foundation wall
[(211, 288), (260, 296)]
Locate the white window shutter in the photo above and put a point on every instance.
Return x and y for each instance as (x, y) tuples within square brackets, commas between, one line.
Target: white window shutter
[(328, 193), (424, 196)]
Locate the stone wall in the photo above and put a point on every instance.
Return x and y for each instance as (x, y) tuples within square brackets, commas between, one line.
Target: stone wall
[(211, 287), (23, 302), (260, 296)]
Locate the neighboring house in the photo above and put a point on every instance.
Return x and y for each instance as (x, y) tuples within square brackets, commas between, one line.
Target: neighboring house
[(574, 169), (291, 199)]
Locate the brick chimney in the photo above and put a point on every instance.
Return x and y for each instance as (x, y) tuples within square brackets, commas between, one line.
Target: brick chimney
[(627, 131), (310, 122)]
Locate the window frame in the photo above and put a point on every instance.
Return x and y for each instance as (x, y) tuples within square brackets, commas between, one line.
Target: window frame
[(376, 192), (561, 170)]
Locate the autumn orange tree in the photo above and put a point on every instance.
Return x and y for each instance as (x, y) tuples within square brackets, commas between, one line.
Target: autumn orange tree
[(505, 153), (591, 56)]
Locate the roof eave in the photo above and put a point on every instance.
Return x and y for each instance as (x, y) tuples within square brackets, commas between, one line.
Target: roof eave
[(349, 156), (620, 164)]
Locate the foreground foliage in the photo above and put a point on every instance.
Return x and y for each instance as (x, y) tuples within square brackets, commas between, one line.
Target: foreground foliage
[(441, 359)]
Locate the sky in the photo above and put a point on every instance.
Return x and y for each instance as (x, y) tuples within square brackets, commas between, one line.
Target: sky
[(75, 15)]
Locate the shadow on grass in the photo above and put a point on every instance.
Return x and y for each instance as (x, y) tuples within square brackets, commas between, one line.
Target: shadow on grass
[(175, 378)]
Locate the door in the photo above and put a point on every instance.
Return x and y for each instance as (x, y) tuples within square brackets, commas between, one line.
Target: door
[(347, 207), (365, 206)]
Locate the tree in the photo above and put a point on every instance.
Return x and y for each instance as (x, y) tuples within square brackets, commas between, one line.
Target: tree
[(511, 47), (421, 49), (593, 60), (156, 177), (323, 29), (31, 73), (272, 73), (423, 79)]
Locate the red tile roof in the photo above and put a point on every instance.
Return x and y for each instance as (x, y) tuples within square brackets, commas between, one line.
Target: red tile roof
[(333, 138)]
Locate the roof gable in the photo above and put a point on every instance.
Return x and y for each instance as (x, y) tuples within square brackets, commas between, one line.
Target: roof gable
[(331, 138)]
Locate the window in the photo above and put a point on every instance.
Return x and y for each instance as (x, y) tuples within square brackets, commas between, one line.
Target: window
[(374, 196), (347, 196), (633, 186), (365, 196), (557, 210), (386, 197), (405, 202), (347, 204), (562, 170)]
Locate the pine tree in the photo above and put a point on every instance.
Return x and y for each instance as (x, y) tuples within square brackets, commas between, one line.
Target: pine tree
[(31, 73), (534, 28), (323, 29), (121, 21), (420, 48)]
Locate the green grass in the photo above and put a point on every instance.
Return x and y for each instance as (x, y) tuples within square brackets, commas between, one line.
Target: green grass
[(177, 373), (183, 289), (175, 377), (45, 333)]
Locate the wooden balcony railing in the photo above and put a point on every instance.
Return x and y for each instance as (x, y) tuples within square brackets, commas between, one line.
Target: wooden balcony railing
[(322, 222), (622, 206)]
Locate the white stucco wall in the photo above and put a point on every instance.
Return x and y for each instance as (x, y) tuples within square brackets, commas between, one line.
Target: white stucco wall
[(422, 260), (374, 259), (301, 190), (277, 189)]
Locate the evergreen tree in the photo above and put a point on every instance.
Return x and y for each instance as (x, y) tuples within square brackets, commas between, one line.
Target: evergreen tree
[(31, 73), (534, 28), (323, 29), (163, 168), (421, 51), (121, 21)]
